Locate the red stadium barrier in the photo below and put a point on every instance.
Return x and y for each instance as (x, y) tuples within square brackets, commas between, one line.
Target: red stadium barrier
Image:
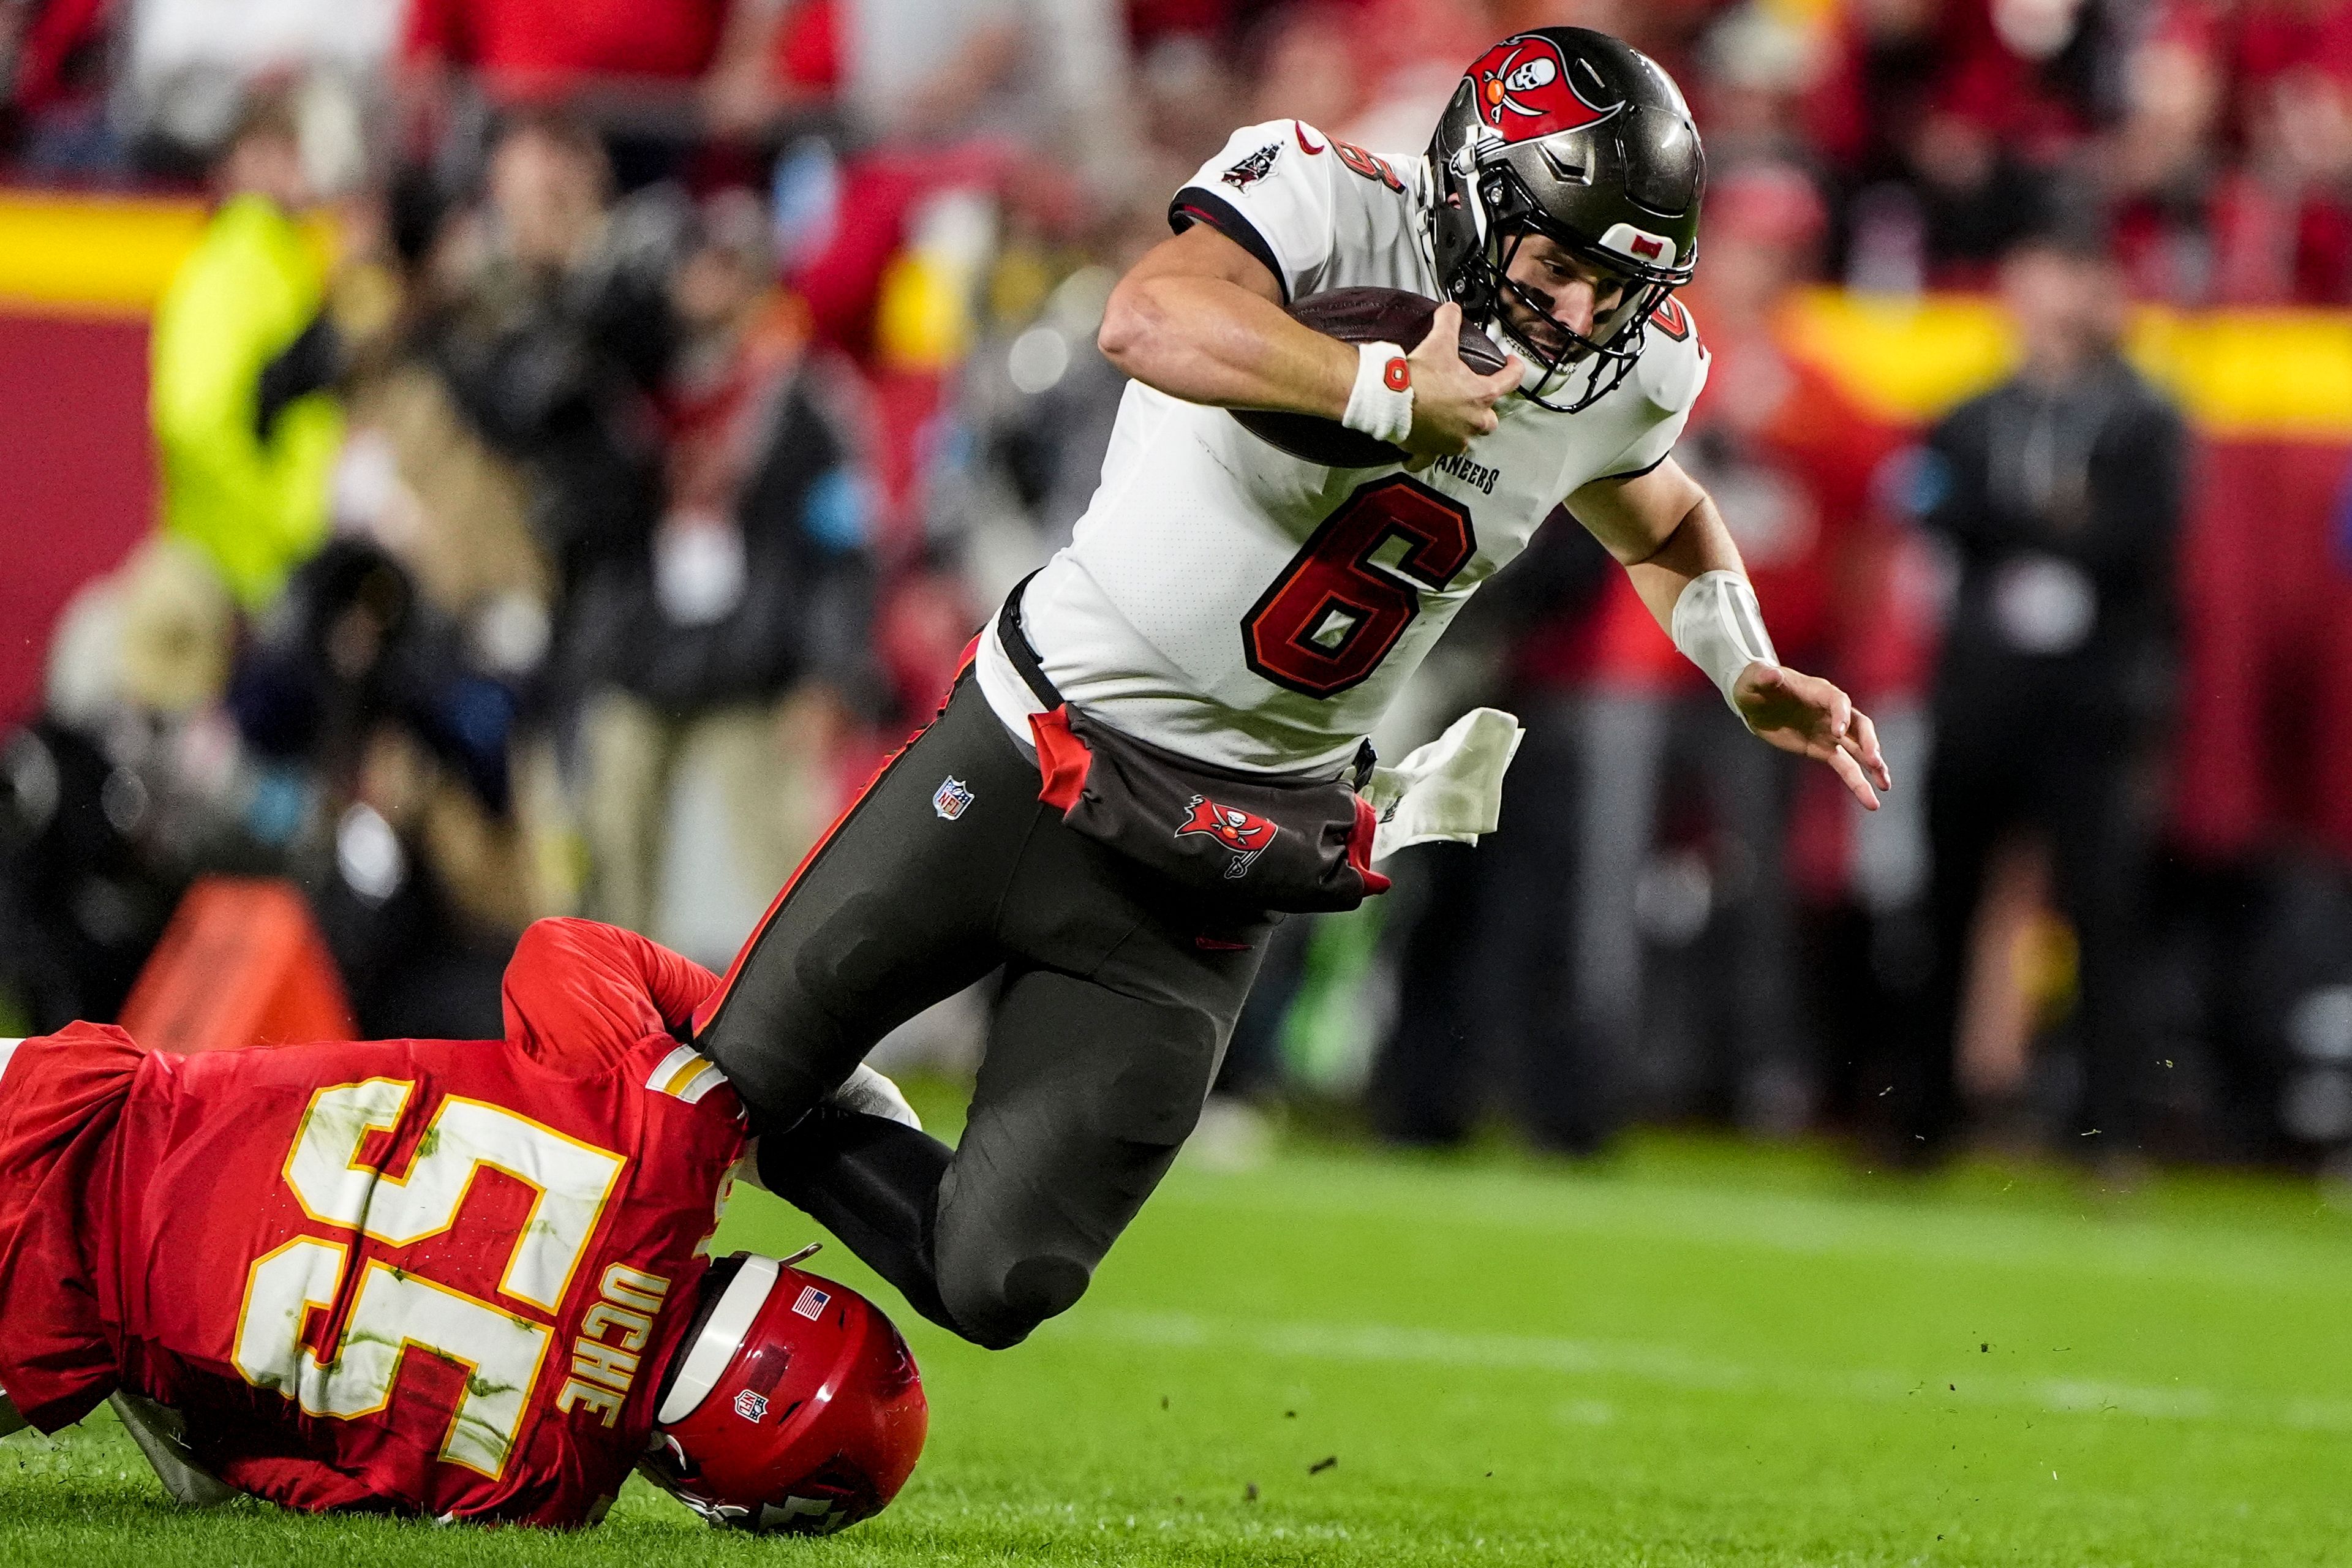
[(80, 483), (242, 964)]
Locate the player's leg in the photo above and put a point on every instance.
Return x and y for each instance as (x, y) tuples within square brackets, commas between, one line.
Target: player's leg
[(872, 1181), (1103, 1043), (1085, 1097), (1121, 992), (57, 1361), (893, 911)]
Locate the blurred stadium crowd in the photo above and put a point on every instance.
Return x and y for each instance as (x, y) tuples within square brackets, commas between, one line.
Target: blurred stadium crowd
[(575, 517)]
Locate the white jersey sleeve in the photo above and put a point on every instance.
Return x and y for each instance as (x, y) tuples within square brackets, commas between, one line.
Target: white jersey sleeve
[(1667, 381), (1321, 213), (1267, 193)]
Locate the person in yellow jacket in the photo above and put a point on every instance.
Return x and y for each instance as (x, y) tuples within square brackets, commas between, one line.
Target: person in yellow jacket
[(242, 356)]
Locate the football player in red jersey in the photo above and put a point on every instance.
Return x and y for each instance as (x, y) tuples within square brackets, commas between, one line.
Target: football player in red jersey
[(466, 1280)]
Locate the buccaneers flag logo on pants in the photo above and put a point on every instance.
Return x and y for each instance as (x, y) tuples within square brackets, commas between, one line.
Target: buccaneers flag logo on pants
[(1244, 832)]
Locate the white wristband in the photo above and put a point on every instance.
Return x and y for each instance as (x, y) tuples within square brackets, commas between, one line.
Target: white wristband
[(1380, 403), (1720, 628)]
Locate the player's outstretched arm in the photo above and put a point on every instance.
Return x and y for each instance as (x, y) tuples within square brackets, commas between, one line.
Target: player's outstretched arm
[(579, 994), (1201, 318), (1666, 533)]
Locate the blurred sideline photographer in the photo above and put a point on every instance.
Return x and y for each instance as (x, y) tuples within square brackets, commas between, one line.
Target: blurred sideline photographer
[(2060, 492), (739, 634), (242, 354)]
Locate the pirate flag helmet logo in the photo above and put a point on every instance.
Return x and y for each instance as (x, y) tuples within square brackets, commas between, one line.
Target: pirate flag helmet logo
[(1526, 88), (1576, 136)]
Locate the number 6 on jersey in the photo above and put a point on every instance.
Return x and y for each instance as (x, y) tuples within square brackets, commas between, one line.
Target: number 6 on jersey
[(1335, 612)]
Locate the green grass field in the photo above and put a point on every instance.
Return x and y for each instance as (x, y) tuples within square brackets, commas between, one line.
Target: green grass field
[(1700, 1355)]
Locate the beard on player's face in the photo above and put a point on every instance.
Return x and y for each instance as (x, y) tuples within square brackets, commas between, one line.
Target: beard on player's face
[(1552, 297)]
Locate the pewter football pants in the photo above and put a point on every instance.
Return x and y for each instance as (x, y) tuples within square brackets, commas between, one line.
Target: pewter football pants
[(1118, 992)]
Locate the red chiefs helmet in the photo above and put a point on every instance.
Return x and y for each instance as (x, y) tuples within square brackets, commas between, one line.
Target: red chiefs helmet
[(793, 1405)]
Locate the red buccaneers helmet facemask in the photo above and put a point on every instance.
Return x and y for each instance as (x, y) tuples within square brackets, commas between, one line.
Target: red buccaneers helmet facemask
[(1568, 133), (792, 1405)]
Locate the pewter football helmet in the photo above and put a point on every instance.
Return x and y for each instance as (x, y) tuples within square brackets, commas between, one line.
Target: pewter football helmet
[(1571, 134)]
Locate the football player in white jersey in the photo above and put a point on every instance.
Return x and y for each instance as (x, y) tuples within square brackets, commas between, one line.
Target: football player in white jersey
[(1233, 618)]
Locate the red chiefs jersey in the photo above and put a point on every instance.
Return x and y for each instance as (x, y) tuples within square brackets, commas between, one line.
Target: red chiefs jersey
[(443, 1277)]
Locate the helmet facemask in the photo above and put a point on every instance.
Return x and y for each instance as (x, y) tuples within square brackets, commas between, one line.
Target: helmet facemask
[(667, 1466), (1606, 354)]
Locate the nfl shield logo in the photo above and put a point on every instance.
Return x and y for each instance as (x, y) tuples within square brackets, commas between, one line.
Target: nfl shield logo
[(952, 799), (751, 1406)]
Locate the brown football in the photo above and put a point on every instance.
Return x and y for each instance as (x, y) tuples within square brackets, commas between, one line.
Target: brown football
[(1360, 316)]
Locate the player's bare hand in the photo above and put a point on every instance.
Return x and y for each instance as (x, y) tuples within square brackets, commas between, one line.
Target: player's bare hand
[(1452, 405), (1810, 716)]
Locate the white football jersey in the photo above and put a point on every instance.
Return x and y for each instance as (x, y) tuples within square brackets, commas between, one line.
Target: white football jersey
[(1236, 604)]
